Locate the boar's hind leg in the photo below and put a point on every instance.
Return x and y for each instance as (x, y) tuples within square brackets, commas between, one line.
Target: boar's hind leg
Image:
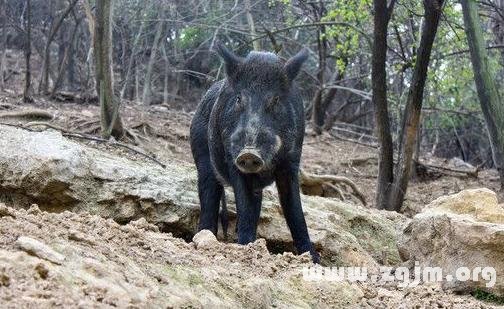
[(248, 208), (288, 189), (210, 192)]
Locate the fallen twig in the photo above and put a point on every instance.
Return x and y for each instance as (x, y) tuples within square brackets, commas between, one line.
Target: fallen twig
[(45, 124), (361, 135), (114, 143), (67, 133), (469, 173), (359, 161), (30, 113), (68, 97), (16, 126), (353, 141), (6, 105)]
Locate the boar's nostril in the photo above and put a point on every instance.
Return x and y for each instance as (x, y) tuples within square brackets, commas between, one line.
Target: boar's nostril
[(249, 162)]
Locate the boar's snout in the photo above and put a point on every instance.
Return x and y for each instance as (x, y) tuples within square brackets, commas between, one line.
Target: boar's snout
[(249, 161)]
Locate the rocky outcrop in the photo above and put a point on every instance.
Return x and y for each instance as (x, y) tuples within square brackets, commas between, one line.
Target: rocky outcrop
[(60, 174), (461, 230)]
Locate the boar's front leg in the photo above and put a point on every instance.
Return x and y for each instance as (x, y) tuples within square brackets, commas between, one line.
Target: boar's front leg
[(287, 182), (248, 208), (210, 192)]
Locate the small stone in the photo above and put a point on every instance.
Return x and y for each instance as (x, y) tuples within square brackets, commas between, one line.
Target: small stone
[(6, 211), (204, 239), (4, 280), (142, 224), (34, 210), (80, 237), (39, 249), (260, 246)]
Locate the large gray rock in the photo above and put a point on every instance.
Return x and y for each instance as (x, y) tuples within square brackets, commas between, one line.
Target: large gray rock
[(60, 174), (462, 230)]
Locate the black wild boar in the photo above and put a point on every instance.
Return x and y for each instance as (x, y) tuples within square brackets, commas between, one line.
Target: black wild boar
[(248, 132)]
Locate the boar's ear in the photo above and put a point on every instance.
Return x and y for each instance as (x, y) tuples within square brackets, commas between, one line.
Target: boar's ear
[(293, 65), (230, 59)]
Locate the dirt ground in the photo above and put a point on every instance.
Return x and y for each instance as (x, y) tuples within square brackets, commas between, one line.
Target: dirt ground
[(101, 264)]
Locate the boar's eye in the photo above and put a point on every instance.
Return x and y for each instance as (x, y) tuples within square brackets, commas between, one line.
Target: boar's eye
[(239, 104), (274, 101)]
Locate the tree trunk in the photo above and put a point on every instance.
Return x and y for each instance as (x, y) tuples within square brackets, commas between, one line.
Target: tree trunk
[(412, 112), (147, 91), (62, 47), (379, 84), (89, 66), (27, 50), (318, 110), (71, 66), (334, 110), (490, 102), (137, 81), (318, 113), (65, 59), (134, 53), (46, 65), (250, 20), (167, 73), (3, 41), (327, 100), (497, 25), (111, 124)]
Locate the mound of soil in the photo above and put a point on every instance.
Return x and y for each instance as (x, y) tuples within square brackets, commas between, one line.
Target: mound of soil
[(76, 260)]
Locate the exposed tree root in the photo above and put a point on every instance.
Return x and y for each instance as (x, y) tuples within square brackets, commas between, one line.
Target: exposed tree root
[(68, 97), (143, 126), (46, 125), (336, 189), (85, 126), (6, 106), (92, 129), (134, 138), (314, 185), (361, 161), (30, 113), (144, 129)]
